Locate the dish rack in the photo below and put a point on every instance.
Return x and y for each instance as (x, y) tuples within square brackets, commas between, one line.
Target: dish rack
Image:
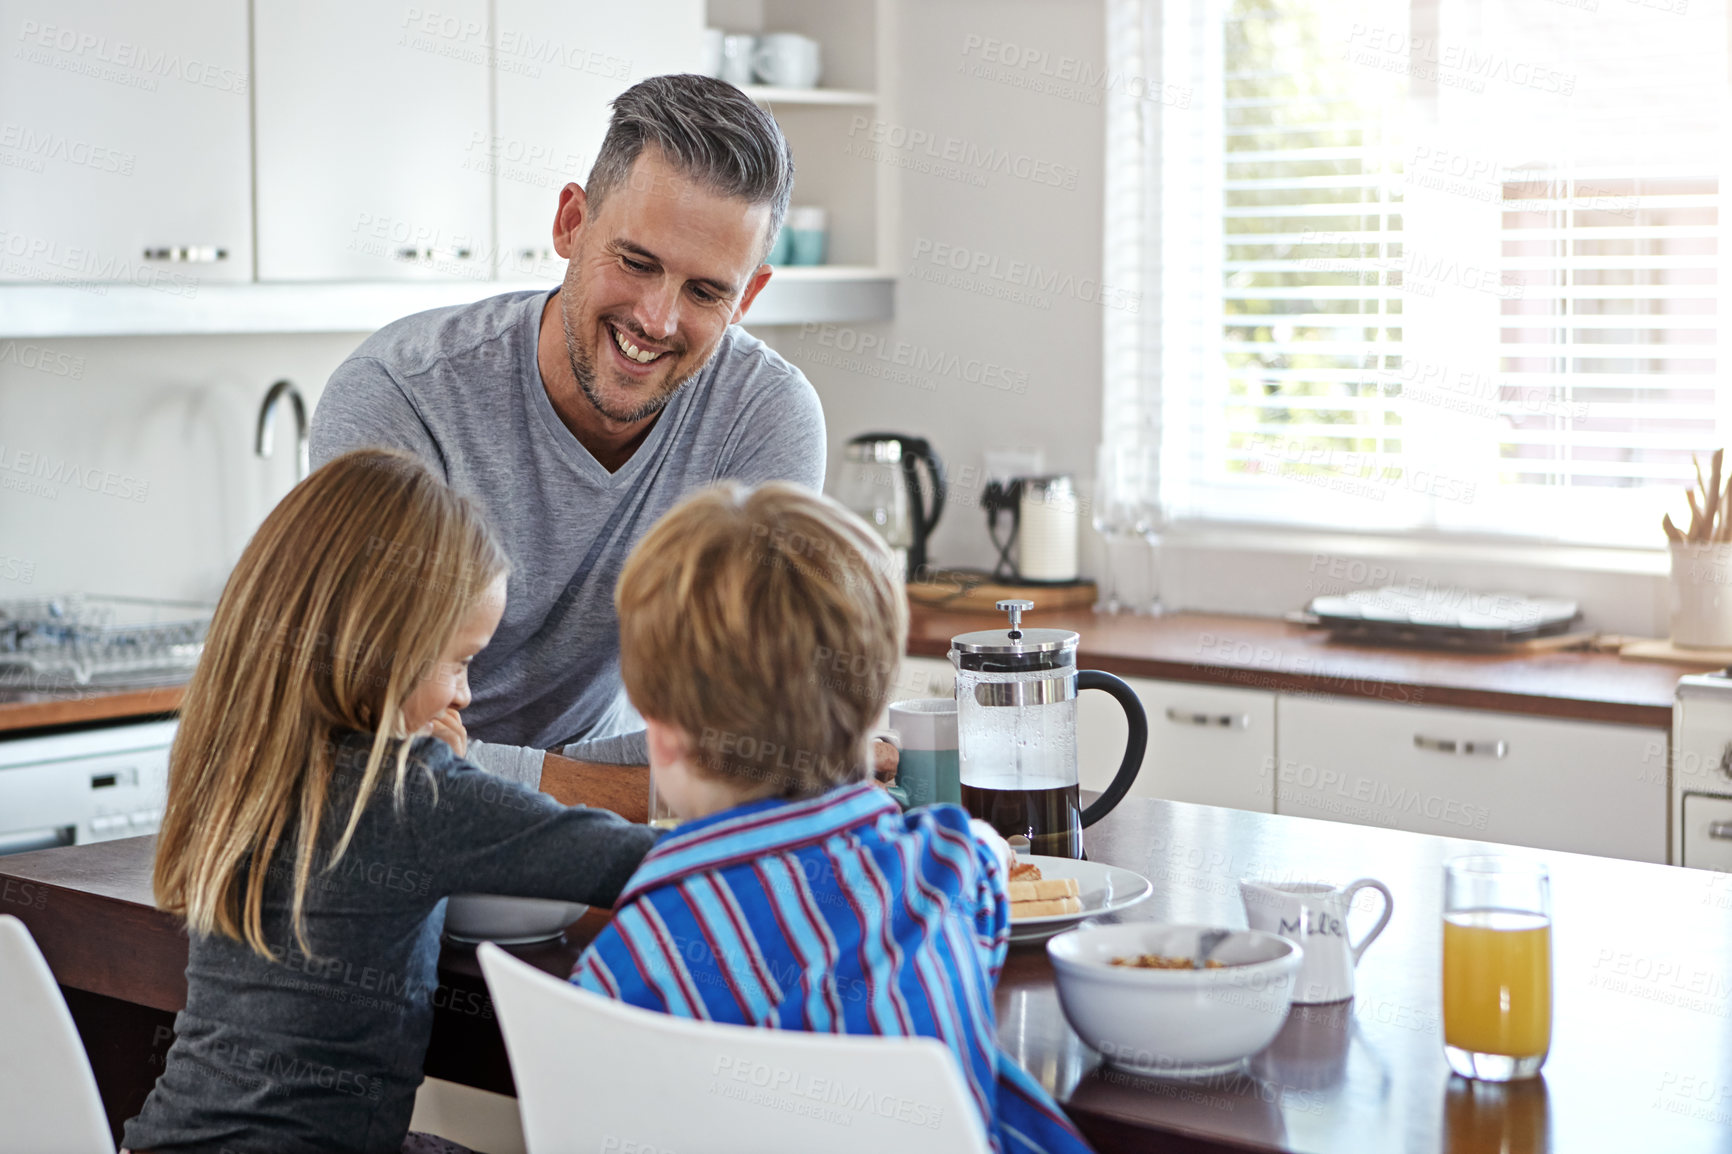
[(77, 641)]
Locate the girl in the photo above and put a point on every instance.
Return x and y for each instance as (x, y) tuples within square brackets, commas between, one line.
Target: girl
[(313, 830)]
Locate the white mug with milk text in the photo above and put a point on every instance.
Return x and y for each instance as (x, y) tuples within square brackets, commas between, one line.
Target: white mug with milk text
[(1314, 914)]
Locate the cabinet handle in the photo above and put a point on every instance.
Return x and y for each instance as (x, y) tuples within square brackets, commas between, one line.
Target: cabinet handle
[(188, 254), (1720, 830), (1209, 720), (432, 254), (1465, 748)]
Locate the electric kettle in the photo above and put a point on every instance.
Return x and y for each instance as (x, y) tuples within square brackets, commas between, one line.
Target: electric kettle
[(881, 482), (1016, 733)]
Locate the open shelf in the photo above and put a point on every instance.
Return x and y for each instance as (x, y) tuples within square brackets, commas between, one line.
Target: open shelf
[(795, 295), (767, 94)]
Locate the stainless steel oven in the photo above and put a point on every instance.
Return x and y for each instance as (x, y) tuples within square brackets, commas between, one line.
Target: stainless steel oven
[(1702, 772)]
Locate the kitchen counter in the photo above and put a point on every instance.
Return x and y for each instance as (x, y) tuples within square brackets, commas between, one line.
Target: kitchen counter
[(1210, 648), (1271, 654), (28, 710), (1638, 1060)]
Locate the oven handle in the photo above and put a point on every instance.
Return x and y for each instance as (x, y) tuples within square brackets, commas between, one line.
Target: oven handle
[(30, 839)]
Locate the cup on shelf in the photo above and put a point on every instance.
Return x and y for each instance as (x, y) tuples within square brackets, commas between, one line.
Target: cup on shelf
[(736, 65), (787, 60), (713, 38), (779, 247), (807, 231)]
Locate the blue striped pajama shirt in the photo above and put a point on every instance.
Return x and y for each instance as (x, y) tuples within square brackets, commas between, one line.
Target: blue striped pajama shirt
[(835, 914)]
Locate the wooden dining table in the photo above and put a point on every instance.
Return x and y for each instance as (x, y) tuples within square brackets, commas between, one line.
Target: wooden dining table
[(1641, 1056)]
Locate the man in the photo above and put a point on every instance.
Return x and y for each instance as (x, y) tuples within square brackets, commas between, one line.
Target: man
[(576, 417)]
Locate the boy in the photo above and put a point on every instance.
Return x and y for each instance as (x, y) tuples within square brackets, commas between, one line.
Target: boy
[(759, 633)]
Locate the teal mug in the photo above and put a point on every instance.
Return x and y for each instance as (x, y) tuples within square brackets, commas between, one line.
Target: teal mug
[(924, 729)]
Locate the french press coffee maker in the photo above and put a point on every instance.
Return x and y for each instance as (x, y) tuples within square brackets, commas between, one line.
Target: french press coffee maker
[(1016, 733)]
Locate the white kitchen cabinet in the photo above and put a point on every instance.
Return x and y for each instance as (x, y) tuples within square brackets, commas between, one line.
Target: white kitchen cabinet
[(560, 65), (1207, 744), (370, 123), (124, 144), (1585, 787)]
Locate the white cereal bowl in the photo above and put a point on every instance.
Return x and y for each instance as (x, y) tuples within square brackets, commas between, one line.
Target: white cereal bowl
[(1174, 1022), (510, 921)]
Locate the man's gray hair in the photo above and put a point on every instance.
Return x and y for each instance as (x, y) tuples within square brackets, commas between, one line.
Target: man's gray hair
[(709, 131)]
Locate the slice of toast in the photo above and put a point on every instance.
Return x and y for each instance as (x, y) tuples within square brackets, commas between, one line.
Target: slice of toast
[(1045, 908), (1021, 891), (1022, 871)]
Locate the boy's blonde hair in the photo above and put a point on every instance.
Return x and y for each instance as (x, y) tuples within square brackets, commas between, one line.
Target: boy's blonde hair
[(338, 607), (767, 625)]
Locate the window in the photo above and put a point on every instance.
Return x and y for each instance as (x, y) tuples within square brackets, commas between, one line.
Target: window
[(1450, 265)]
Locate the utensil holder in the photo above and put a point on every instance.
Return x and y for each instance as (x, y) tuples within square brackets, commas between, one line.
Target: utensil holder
[(1701, 596)]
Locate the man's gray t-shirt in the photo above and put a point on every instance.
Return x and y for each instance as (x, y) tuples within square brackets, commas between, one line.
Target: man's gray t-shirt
[(461, 388)]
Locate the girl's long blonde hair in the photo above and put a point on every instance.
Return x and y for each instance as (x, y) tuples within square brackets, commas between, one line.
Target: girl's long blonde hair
[(340, 604)]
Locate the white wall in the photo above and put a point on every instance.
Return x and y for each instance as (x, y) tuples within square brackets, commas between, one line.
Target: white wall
[(165, 426), (1046, 344)]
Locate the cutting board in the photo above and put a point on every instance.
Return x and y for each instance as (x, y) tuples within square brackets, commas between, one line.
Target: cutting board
[(974, 593), (1662, 649)]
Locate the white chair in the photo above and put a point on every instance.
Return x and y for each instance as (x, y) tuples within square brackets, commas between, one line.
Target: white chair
[(48, 1098), (595, 1074)]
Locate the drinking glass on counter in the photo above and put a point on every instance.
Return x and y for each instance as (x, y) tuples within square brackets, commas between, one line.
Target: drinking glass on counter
[(1497, 967), (1115, 515)]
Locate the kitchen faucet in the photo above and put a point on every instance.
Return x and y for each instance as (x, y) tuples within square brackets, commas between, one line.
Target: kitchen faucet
[(267, 425)]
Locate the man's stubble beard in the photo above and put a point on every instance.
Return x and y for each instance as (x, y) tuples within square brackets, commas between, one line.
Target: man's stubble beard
[(584, 370)]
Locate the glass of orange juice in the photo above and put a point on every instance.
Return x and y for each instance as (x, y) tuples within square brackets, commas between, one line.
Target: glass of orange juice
[(1497, 967)]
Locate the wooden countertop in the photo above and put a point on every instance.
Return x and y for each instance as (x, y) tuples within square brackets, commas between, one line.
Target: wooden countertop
[(1270, 654), (1639, 1057), (36, 710), (1210, 648)]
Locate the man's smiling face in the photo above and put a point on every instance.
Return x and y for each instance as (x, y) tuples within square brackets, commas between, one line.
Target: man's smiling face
[(655, 277)]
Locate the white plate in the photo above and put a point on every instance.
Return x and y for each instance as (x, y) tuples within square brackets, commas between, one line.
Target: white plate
[(1104, 889)]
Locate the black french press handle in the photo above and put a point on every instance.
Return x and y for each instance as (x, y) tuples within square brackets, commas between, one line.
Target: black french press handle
[(1138, 741)]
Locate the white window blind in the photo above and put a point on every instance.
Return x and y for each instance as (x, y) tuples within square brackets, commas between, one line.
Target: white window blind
[(1452, 266)]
